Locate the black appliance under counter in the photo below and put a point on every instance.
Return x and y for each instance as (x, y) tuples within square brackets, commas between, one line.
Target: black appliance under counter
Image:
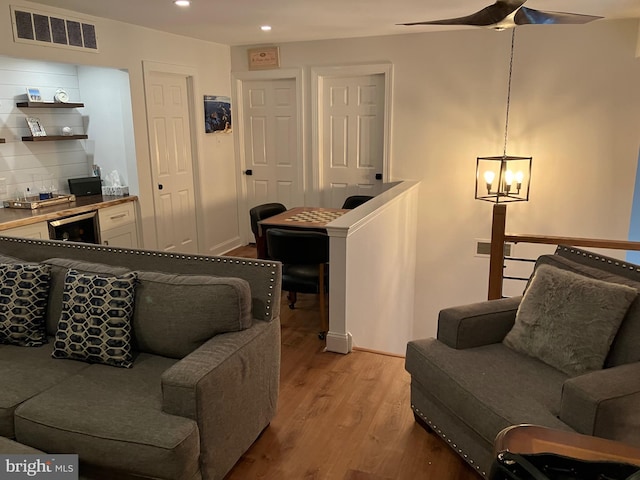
[(82, 227)]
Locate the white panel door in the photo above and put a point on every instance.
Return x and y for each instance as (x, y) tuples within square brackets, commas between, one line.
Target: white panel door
[(352, 137), (272, 164), (172, 163)]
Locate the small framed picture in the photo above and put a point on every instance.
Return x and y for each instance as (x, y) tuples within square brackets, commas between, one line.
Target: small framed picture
[(217, 114), (264, 58), (33, 94), (37, 130)]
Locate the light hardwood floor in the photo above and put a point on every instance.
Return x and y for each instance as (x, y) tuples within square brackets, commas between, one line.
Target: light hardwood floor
[(342, 417)]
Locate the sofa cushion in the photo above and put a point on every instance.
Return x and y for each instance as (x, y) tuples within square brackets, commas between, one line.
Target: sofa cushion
[(175, 314), (568, 320), (26, 372), (624, 348), (59, 267), (9, 259), (15, 448), (485, 386), (112, 417), (95, 324), (24, 290)]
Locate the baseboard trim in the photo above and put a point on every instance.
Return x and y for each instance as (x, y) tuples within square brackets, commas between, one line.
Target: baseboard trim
[(379, 352), (339, 342), (224, 247)]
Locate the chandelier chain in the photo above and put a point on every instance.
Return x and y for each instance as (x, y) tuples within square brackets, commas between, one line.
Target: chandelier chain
[(506, 122)]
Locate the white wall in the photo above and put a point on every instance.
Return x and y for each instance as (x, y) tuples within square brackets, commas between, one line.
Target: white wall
[(109, 122), (25, 164), (106, 118), (125, 46), (575, 107)]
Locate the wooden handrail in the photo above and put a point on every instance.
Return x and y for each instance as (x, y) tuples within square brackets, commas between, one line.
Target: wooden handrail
[(573, 241), (499, 238)]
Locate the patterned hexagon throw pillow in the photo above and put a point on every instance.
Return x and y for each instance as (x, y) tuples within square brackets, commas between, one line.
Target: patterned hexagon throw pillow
[(95, 324), (24, 291)]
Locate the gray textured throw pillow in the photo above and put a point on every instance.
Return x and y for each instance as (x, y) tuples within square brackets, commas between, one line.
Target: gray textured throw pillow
[(568, 321)]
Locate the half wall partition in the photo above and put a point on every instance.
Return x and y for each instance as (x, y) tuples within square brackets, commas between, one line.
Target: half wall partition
[(372, 274)]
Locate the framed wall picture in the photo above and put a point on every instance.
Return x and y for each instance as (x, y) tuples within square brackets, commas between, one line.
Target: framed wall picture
[(33, 94), (37, 130), (264, 58), (217, 114)]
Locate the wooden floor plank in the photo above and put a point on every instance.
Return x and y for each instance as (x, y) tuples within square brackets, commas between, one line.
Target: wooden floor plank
[(342, 417)]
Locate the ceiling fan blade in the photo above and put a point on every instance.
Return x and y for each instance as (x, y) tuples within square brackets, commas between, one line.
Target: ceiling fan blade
[(528, 16), (487, 16)]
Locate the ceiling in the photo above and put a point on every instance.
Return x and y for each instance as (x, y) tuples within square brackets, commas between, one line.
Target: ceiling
[(237, 22)]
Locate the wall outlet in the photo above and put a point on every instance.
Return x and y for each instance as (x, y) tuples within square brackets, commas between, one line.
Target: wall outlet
[(483, 248), (3, 186)]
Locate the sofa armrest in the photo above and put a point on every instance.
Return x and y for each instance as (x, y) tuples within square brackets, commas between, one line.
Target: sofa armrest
[(604, 403), (230, 387), (476, 324)]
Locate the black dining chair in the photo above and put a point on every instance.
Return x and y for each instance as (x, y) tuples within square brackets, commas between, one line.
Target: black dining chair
[(260, 212), (305, 257), (355, 201)]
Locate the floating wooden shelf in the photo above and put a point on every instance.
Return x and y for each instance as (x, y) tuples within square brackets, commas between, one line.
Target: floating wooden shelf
[(51, 138), (49, 105)]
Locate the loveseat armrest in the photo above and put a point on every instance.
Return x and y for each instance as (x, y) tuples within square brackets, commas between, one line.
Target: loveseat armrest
[(604, 403), (476, 324), (230, 387)]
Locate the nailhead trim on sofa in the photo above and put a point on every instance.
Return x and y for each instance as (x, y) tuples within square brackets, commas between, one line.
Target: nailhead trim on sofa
[(99, 248), (442, 435)]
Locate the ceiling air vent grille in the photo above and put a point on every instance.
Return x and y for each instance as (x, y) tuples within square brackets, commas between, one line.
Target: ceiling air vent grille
[(30, 26)]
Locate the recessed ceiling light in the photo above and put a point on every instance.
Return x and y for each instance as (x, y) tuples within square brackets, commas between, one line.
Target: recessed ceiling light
[(265, 28), (182, 3)]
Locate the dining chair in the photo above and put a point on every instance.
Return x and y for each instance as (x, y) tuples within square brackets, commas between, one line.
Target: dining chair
[(305, 257), (260, 212), (355, 201)]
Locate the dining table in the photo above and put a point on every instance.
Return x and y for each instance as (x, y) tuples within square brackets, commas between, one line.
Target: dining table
[(300, 218)]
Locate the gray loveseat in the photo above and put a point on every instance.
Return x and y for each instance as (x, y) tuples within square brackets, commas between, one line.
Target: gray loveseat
[(467, 385), (204, 379)]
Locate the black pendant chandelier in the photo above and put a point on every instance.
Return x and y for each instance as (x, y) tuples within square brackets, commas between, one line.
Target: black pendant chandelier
[(505, 178)]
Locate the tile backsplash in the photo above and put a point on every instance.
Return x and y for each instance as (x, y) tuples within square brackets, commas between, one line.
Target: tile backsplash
[(30, 165)]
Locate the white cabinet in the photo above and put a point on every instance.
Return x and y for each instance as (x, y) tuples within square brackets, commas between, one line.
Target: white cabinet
[(38, 230), (124, 236), (118, 226)]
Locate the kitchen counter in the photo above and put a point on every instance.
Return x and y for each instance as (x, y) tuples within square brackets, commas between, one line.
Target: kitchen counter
[(19, 217)]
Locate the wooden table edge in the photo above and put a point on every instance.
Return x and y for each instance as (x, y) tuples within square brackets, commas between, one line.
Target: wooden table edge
[(532, 439)]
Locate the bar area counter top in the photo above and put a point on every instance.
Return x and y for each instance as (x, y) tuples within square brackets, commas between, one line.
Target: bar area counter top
[(19, 217)]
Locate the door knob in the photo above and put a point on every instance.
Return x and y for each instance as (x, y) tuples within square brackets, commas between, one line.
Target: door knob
[(248, 172), (160, 186)]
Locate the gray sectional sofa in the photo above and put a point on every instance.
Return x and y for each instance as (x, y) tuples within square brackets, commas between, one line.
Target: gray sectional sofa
[(180, 391), (469, 383)]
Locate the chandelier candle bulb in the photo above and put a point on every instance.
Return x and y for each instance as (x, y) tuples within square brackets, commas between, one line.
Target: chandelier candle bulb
[(519, 178), (508, 181), (489, 176), (508, 177)]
